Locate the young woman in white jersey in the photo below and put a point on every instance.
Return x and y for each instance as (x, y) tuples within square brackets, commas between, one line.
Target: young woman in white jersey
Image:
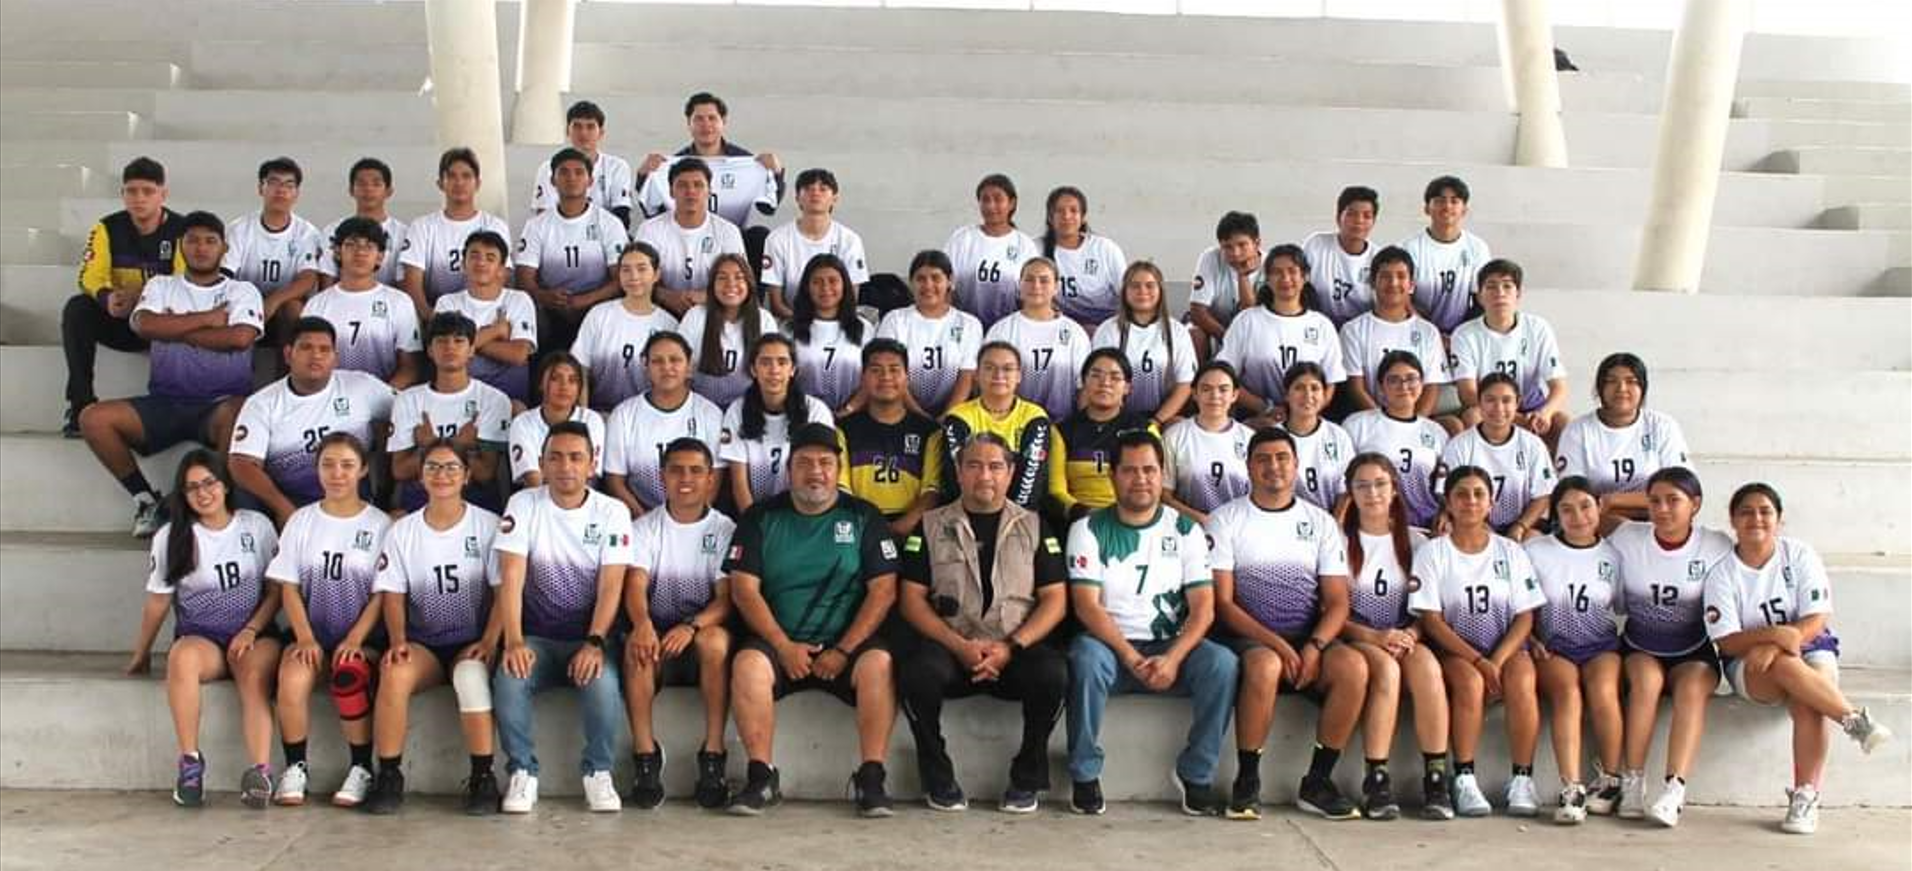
[(329, 555), (1381, 548), (1160, 351), (829, 333), (1476, 595), (1390, 326), (1620, 445), (1285, 327), (1663, 566), (1322, 447), (1053, 347), (1513, 456), (1767, 605), (564, 392), (756, 434), (987, 256), (208, 568), (643, 425), (1091, 267), (1398, 431), (1576, 647), (614, 332), (724, 329), (1207, 454), (435, 588), (943, 340)]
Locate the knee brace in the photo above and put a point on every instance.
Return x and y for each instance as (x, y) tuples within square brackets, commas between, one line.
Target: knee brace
[(352, 689), (471, 681)]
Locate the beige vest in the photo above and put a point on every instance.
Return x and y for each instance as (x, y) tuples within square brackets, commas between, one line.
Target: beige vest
[(954, 573)]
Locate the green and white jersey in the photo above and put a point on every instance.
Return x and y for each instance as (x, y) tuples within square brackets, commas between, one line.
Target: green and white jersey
[(1144, 572)]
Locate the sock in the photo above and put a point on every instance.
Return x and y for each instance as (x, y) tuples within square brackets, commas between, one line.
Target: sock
[(1322, 765), (1523, 771), (390, 763), (759, 770), (194, 756), (1435, 763), (1374, 766), (480, 764), (362, 755), (137, 485), (1248, 764), (294, 753), (1674, 778), (1461, 767)]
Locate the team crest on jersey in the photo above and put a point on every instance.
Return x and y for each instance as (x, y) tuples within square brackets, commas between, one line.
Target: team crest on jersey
[(1646, 442), (1311, 335), (845, 532), (1171, 546), (710, 542), (342, 406), (708, 245), (956, 333), (912, 444), (727, 181), (1013, 251), (888, 548), (1304, 530), (1605, 571), (471, 546), (590, 233), (1520, 460), (592, 535), (247, 544), (165, 250), (1695, 569), (471, 408), (379, 309), (1331, 450), (1090, 266), (1427, 440), (1500, 570), (690, 428), (1785, 574), (1414, 337), (362, 540)]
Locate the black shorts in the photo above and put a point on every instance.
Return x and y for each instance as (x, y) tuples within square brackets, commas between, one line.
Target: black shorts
[(1704, 653), (838, 686), (446, 654), (222, 640), (1242, 646), (167, 422)]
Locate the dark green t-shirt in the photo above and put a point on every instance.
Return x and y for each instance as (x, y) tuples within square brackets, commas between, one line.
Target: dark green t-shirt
[(814, 568)]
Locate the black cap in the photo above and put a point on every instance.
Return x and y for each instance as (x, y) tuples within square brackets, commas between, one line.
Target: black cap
[(813, 435)]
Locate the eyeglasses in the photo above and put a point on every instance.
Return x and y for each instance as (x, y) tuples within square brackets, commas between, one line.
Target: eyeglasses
[(203, 485), (451, 468), (1107, 375)]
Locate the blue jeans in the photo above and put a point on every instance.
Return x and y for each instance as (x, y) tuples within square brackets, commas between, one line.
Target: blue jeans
[(600, 704), (1207, 676)]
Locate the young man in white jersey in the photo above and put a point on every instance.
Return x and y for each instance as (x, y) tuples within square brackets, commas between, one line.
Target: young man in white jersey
[(1226, 277), (566, 253), (789, 247), (611, 184), (563, 551), (273, 249), (707, 116), (454, 405), (1519, 344), (202, 326), (507, 319), (1141, 586), (434, 248), (370, 184), (377, 324), (678, 600), (275, 444), (688, 238), (1446, 256), (1339, 257)]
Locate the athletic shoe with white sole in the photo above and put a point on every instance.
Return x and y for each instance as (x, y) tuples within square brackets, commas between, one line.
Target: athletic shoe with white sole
[(1802, 811), (521, 793), (1666, 808), (600, 793), (291, 791), (1469, 801), (1573, 805), (357, 785), (1522, 799)]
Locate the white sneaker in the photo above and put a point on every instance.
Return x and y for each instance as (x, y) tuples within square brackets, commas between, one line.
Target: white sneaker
[(147, 516), (1666, 808), (358, 782), (521, 793), (1522, 801), (291, 789), (600, 794), (1632, 795), (1469, 801), (1860, 727), (1573, 805), (1603, 797), (1802, 811)]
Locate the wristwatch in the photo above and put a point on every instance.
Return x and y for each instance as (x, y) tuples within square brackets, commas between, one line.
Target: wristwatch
[(595, 640)]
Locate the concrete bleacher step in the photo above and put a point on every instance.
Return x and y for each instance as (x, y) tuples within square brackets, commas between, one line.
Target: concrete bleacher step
[(1821, 109), (1842, 189), (54, 739), (1868, 216), (1821, 90), (100, 125), (70, 99), (68, 73), (1840, 160), (37, 246), (1806, 134), (51, 182), (1813, 333), (47, 153)]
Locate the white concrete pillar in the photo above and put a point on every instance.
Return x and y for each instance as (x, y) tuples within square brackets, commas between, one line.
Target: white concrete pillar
[(467, 97), (1533, 88), (1700, 76), (545, 30)]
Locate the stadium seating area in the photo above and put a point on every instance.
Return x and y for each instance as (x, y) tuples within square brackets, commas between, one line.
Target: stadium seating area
[(1793, 366)]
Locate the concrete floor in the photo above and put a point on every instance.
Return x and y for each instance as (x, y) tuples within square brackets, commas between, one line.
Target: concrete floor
[(81, 830)]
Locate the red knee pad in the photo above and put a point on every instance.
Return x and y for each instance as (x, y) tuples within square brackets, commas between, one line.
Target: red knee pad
[(352, 689)]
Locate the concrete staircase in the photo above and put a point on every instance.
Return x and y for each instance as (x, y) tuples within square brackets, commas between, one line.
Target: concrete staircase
[(1793, 366)]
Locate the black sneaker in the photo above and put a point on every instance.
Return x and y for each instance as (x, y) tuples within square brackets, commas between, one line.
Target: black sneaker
[(481, 795), (946, 797), (1198, 799), (866, 791), (70, 422), (647, 790), (388, 792), (1437, 796), (1377, 797), (1319, 796), (760, 792), (1245, 801), (1086, 798), (712, 789)]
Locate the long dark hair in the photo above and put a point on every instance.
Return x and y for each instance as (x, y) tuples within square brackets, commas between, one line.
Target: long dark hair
[(1397, 515), (796, 403), (182, 553), (1265, 293), (1049, 207), (803, 312), (710, 355)]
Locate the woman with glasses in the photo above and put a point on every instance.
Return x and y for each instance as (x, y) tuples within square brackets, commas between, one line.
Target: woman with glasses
[(1398, 431), (1017, 421)]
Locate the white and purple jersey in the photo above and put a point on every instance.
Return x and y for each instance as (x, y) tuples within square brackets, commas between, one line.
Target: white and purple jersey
[(1790, 587), (787, 252), (1368, 338), (563, 549), (682, 562), (388, 272), (1262, 345), (1089, 288), (1378, 593), (1478, 594), (445, 575), (1207, 469), (1322, 458), (184, 371), (1217, 285), (1414, 447), (331, 562), (517, 309), (740, 187), (612, 186), (722, 389), (1528, 353), (1052, 355), (374, 326), (218, 596), (575, 254), (1278, 558), (830, 364), (1340, 279), (941, 350), (611, 343), (1663, 590), (685, 256), (479, 404), (1582, 587), (989, 270), (435, 245), (1620, 460), (1161, 357), (638, 432), (270, 259), (1444, 275), (527, 433), (766, 456), (1519, 467), (282, 429)]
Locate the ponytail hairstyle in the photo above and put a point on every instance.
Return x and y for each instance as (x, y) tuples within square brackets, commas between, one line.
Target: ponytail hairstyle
[(803, 310), (1125, 314), (796, 404), (1567, 486), (710, 356), (182, 554), (1397, 515), (1049, 207), (1265, 293), (556, 359)]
